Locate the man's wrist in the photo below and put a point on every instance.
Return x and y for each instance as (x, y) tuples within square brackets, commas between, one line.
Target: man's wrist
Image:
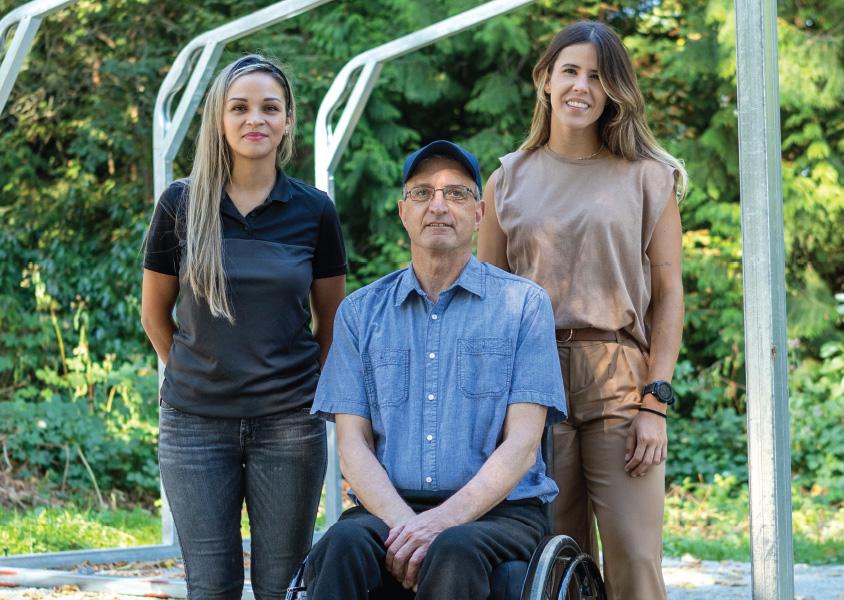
[(449, 514), (398, 515)]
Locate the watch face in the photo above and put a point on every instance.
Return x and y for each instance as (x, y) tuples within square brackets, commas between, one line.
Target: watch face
[(664, 392)]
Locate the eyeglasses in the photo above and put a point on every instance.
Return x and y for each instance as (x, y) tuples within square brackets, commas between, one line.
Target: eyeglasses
[(453, 194)]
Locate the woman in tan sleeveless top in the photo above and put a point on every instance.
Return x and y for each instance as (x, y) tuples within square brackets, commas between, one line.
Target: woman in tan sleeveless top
[(587, 208)]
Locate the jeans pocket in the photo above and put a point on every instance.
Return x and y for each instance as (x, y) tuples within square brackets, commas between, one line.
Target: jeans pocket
[(387, 372), (484, 366)]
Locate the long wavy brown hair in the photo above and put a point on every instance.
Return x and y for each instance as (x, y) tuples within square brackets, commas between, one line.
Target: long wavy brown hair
[(622, 127)]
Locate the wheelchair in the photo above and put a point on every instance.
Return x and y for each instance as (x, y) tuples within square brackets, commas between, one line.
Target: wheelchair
[(558, 570)]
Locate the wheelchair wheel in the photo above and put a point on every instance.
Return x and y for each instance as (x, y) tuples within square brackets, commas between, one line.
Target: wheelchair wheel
[(560, 570), (296, 590)]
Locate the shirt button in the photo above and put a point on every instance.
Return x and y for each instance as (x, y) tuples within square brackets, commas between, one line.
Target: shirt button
[(432, 355), (431, 396), (429, 437), (434, 317), (428, 480)]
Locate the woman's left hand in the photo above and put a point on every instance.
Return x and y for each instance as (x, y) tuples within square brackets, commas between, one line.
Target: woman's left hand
[(647, 443)]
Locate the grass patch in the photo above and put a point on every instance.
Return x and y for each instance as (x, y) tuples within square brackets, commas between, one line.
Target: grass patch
[(711, 522), (54, 529), (708, 521), (70, 528)]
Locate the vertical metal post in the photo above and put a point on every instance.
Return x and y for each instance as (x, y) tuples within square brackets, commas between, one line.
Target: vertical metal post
[(763, 261)]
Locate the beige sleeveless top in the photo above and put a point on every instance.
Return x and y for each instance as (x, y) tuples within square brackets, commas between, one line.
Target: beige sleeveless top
[(580, 229)]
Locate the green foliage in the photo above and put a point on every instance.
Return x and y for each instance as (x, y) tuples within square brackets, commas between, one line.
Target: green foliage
[(85, 425), (55, 530), (817, 427), (711, 522), (76, 196)]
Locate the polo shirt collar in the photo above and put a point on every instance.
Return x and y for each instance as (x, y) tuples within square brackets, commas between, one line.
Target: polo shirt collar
[(472, 279), (282, 190)]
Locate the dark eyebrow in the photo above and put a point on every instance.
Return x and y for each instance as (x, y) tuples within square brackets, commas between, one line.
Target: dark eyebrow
[(270, 99), (577, 67)]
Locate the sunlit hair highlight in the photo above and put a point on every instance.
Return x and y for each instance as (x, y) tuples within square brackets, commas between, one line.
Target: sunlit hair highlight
[(622, 127), (211, 172)]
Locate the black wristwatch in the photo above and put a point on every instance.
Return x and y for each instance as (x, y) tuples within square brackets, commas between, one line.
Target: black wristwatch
[(661, 390)]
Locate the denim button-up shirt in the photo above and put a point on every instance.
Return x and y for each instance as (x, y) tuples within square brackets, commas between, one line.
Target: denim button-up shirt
[(436, 378)]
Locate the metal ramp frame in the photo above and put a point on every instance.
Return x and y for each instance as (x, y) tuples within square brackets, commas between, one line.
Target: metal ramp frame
[(28, 19), (762, 234)]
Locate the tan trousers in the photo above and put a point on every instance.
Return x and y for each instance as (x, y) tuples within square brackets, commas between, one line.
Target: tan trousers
[(603, 382)]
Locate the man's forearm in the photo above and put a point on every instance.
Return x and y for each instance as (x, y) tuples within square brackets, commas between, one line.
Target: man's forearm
[(496, 479), (371, 484)]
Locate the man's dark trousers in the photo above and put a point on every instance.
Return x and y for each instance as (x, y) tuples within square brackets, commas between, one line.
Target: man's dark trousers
[(348, 562)]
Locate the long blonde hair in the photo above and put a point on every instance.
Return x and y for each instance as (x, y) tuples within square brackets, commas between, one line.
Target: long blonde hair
[(211, 172), (622, 127)]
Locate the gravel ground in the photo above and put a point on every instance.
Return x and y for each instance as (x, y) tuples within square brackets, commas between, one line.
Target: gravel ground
[(687, 579), (692, 579)]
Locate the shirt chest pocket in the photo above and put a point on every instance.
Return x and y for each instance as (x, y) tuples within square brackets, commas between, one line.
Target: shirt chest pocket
[(484, 366), (387, 373)]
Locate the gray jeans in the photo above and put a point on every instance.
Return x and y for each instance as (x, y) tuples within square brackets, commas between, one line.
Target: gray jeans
[(209, 466)]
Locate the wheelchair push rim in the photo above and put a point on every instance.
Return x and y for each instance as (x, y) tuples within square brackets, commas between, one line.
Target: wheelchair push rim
[(558, 567)]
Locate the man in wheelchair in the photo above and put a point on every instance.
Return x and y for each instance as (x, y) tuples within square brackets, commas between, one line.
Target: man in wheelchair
[(440, 379)]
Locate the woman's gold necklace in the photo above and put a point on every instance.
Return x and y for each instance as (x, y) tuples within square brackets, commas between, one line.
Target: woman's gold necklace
[(593, 155)]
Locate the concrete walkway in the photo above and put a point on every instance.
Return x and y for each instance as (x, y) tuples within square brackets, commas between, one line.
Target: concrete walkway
[(692, 579), (687, 579)]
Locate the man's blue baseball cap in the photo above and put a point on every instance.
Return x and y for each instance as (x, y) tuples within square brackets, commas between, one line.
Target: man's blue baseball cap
[(449, 150)]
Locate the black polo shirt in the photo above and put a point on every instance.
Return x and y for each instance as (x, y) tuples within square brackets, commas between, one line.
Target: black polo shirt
[(268, 360)]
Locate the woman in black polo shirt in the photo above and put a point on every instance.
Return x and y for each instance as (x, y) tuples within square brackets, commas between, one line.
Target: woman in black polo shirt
[(245, 249)]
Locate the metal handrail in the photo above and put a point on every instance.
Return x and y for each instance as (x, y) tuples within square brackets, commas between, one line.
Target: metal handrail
[(28, 19), (329, 145)]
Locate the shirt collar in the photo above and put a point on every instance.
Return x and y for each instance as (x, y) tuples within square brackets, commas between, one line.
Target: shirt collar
[(282, 190), (472, 279)]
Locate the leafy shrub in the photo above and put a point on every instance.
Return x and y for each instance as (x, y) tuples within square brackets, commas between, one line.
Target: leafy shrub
[(713, 441), (83, 425), (711, 521), (817, 423)]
